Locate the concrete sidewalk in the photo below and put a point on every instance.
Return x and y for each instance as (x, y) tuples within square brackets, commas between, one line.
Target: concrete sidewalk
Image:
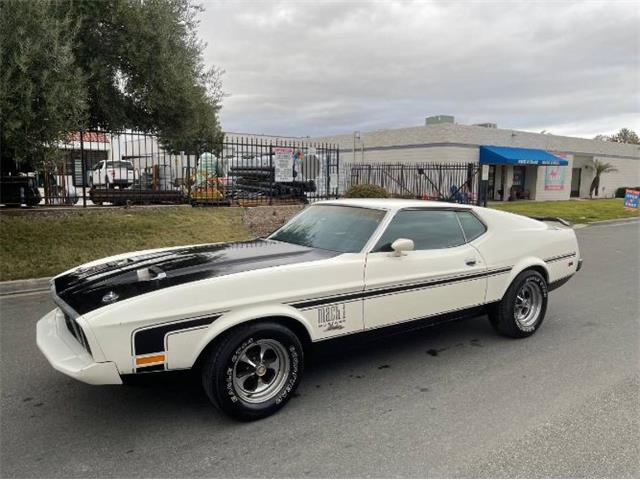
[(31, 285)]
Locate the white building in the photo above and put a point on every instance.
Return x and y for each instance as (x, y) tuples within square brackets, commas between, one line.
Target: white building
[(514, 171)]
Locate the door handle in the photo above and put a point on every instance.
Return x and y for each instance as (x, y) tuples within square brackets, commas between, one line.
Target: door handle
[(470, 261)]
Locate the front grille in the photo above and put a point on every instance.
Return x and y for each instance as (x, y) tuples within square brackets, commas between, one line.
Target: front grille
[(77, 332)]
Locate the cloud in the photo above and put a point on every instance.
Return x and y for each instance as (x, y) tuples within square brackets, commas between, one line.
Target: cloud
[(318, 68)]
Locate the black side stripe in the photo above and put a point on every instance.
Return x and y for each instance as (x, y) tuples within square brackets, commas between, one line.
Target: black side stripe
[(559, 257), (396, 289), (150, 368), (151, 340)]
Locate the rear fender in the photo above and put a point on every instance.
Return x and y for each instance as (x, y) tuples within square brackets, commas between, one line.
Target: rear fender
[(522, 265)]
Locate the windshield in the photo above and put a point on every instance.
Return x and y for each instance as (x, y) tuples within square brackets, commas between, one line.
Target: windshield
[(331, 227), (117, 164)]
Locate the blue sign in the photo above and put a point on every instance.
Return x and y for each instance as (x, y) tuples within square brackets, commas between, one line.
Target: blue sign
[(631, 198)]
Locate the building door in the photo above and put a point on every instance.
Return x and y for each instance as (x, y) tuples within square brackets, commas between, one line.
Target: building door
[(491, 184), (518, 177), (518, 182), (576, 175), (503, 182)]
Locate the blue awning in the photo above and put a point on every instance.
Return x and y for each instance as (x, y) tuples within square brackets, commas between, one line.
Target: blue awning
[(490, 155)]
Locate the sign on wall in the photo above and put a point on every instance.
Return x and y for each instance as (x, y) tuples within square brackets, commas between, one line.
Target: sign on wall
[(485, 172), (631, 198), (78, 178), (283, 164), (554, 177)]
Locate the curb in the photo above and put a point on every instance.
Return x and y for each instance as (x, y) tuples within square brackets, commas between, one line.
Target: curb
[(32, 285), (615, 221), (604, 223)]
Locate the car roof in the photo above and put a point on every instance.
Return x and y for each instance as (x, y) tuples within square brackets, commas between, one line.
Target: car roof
[(391, 203)]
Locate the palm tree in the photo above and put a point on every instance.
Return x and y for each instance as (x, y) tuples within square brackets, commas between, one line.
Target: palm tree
[(599, 168)]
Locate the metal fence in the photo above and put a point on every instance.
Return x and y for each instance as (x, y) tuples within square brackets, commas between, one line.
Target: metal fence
[(451, 182), (119, 168)]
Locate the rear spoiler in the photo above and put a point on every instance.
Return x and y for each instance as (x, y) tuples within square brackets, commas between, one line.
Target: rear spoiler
[(553, 219)]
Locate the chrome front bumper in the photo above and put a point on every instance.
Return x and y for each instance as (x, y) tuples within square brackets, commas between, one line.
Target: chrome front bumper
[(68, 356)]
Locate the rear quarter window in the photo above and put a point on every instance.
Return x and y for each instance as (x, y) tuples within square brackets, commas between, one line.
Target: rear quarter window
[(471, 226)]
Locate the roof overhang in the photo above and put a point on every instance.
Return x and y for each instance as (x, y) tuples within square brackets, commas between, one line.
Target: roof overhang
[(492, 155)]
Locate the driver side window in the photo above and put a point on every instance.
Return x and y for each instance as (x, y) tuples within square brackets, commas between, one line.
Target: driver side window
[(429, 229)]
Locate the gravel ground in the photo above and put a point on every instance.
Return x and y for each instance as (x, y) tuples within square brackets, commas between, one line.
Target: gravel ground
[(261, 221)]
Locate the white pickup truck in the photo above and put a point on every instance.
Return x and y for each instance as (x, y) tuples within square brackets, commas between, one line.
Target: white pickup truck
[(111, 173)]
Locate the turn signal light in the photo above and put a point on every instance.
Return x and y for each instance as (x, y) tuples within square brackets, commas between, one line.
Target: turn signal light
[(150, 359)]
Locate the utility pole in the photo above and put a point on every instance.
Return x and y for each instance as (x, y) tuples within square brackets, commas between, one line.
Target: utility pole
[(356, 136), (84, 171)]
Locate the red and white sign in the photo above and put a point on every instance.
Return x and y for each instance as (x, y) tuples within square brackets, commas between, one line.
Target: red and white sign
[(283, 164)]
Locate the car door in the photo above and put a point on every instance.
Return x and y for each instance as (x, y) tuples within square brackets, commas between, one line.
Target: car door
[(95, 174), (442, 274)]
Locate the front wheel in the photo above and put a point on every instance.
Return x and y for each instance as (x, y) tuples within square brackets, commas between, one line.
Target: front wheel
[(521, 311), (253, 370)]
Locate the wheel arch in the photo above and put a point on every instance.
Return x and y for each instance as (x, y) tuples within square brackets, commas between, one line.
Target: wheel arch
[(530, 263), (300, 328), (541, 269)]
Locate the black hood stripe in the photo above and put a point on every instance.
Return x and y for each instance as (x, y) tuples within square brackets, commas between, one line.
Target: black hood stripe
[(88, 289), (151, 368)]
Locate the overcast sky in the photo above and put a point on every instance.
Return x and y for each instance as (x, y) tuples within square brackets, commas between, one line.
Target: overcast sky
[(319, 68)]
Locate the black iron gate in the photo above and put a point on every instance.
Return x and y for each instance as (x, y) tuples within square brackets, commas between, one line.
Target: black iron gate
[(254, 170), (118, 168), (451, 182)]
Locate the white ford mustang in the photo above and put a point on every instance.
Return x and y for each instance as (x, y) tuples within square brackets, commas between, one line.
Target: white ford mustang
[(244, 313)]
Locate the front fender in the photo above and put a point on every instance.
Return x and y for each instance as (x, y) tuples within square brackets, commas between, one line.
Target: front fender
[(237, 317)]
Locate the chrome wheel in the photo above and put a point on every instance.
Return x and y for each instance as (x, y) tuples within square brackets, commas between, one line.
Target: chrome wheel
[(528, 304), (260, 371)]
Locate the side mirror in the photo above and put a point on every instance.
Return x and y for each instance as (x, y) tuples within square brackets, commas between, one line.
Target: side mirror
[(402, 245)]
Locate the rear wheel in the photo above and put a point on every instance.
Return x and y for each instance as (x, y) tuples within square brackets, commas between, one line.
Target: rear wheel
[(253, 370), (522, 309)]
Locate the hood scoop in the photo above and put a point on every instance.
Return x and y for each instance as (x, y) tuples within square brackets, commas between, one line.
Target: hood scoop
[(150, 274)]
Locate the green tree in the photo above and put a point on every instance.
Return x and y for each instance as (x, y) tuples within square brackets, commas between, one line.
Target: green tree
[(598, 169), (42, 94), (112, 64), (624, 135), (144, 69)]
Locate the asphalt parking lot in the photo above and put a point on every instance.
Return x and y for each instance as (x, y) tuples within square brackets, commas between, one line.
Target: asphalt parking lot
[(453, 400)]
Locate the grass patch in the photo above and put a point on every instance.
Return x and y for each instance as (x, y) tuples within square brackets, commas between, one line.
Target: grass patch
[(39, 246), (575, 211)]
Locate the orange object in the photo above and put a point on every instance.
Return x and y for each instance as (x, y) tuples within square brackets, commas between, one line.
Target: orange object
[(150, 359)]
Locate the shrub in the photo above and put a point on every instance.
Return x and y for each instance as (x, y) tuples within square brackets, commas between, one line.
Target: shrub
[(406, 196), (366, 191), (620, 192)]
